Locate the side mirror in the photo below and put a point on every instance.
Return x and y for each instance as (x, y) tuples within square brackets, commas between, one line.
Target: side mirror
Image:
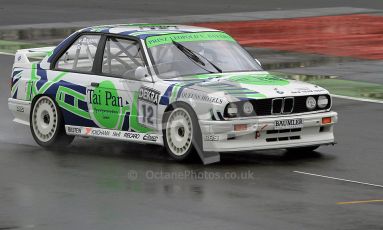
[(259, 63), (141, 73)]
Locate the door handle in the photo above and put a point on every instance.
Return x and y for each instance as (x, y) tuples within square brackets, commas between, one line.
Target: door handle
[(94, 84)]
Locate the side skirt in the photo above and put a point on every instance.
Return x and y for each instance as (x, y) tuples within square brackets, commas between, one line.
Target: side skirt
[(144, 138)]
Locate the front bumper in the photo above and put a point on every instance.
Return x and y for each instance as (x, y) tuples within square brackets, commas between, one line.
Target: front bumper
[(219, 136)]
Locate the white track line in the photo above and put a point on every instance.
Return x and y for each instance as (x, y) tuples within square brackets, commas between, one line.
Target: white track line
[(9, 54), (357, 99), (340, 179)]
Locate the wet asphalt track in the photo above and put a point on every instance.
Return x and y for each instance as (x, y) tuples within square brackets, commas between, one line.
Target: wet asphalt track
[(98, 184)]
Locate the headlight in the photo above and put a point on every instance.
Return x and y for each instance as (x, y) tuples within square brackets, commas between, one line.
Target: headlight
[(322, 101), (248, 108), (311, 103), (232, 110)]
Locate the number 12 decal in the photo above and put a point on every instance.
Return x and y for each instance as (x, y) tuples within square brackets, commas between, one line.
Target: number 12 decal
[(147, 114)]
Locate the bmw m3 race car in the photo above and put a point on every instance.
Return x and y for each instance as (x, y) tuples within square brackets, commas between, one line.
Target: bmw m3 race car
[(190, 89)]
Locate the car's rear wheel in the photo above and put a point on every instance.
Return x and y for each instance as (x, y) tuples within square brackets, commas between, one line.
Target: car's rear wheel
[(180, 133), (47, 125)]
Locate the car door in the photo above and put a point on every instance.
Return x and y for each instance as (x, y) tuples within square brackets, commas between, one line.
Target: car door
[(124, 94), (94, 84)]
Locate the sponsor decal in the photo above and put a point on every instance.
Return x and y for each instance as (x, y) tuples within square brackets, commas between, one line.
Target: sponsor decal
[(157, 26), (211, 138), (288, 123), (113, 134), (116, 134), (100, 132), (99, 29), (132, 135), (201, 97), (308, 90), (88, 131), (301, 91), (149, 137), (20, 109), (148, 100), (109, 100), (107, 106), (74, 130), (187, 37), (149, 95)]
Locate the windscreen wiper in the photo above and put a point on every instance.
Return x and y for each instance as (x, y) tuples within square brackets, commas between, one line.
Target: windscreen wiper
[(194, 57)]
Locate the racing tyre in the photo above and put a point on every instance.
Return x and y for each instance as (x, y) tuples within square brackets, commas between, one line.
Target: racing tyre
[(308, 149), (181, 133), (47, 125)]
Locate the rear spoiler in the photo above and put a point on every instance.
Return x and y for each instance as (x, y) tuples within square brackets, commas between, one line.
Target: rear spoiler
[(25, 57)]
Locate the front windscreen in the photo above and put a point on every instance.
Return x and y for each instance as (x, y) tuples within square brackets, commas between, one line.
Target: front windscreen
[(177, 55)]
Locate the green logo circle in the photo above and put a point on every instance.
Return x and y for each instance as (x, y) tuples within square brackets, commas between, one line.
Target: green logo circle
[(106, 104)]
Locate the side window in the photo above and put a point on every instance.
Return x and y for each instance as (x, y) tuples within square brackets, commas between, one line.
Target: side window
[(80, 56), (121, 57)]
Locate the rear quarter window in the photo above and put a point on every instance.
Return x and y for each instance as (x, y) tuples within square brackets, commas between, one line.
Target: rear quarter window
[(80, 55)]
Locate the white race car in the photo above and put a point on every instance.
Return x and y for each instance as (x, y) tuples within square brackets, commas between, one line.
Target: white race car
[(190, 89)]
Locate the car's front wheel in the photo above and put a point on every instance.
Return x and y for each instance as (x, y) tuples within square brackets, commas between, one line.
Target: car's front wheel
[(47, 125), (180, 133)]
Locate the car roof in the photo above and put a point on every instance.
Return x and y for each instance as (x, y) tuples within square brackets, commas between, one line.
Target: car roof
[(139, 30), (144, 30)]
